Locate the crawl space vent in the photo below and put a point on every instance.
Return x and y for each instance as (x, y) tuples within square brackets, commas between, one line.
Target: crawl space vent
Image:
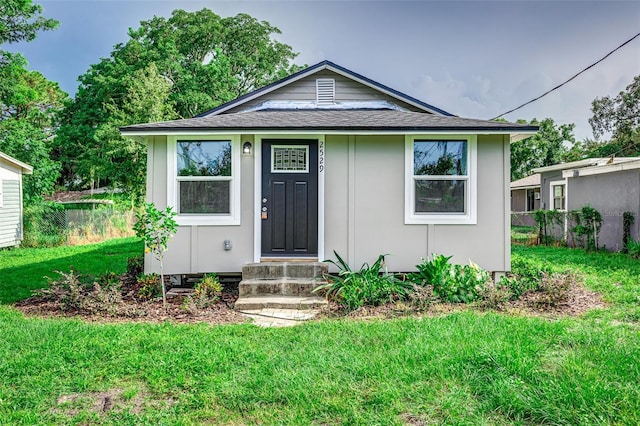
[(325, 91)]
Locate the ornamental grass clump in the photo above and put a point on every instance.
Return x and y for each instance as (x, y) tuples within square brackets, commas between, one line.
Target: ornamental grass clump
[(206, 293), (368, 286)]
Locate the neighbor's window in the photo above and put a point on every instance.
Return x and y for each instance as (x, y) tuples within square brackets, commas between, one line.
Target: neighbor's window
[(440, 176), (558, 192), (204, 174)]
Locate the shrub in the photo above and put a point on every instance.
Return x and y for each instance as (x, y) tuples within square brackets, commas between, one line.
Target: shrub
[(526, 275), (149, 286), (135, 266), (206, 293), (633, 248), (451, 283), (494, 296), (366, 287), (73, 295), (554, 290), (587, 224), (421, 297)]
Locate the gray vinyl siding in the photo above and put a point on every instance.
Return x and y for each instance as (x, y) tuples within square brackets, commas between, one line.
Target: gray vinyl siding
[(198, 249), (305, 90), (364, 210), (10, 214), (364, 199)]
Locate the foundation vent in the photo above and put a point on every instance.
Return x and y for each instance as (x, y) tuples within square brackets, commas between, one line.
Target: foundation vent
[(325, 91)]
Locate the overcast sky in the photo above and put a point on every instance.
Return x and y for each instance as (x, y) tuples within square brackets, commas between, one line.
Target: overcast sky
[(471, 58)]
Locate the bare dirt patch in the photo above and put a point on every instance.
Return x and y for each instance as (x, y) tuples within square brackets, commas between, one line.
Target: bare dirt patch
[(113, 400)]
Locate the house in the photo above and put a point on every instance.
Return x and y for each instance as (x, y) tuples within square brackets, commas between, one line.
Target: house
[(328, 160), (609, 185), (11, 171), (525, 198)]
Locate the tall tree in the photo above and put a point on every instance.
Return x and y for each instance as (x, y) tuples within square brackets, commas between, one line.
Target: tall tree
[(20, 20), (619, 117), (545, 148), (187, 63), (29, 103)]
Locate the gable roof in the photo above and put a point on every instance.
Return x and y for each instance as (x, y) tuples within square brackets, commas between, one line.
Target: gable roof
[(24, 167), (320, 66), (531, 181)]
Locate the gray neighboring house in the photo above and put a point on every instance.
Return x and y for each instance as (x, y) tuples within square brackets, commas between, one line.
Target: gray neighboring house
[(327, 159), (11, 171), (610, 185), (525, 198)]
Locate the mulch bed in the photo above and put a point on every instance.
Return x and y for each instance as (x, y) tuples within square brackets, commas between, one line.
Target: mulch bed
[(580, 300)]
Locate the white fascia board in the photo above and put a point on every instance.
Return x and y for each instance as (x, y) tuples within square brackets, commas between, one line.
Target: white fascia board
[(26, 169), (516, 188), (312, 132), (596, 170)]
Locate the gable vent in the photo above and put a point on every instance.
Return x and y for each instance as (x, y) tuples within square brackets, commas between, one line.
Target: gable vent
[(325, 91)]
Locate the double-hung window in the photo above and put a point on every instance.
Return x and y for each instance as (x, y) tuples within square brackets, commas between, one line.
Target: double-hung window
[(558, 195), (440, 180), (205, 180)]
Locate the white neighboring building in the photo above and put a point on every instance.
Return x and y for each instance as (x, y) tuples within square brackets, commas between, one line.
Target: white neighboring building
[(11, 171)]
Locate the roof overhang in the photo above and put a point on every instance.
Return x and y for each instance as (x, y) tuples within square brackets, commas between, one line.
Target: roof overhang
[(24, 167), (597, 170), (203, 132)]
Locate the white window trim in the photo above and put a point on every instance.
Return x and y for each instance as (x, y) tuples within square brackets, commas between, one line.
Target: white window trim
[(233, 218), (551, 194), (471, 203)]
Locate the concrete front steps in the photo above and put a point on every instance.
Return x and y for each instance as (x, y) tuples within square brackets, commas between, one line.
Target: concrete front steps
[(281, 285)]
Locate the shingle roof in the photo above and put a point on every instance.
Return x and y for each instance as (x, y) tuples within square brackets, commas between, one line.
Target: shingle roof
[(532, 180), (348, 120)]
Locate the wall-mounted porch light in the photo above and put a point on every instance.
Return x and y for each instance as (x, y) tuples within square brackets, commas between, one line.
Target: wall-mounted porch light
[(246, 148)]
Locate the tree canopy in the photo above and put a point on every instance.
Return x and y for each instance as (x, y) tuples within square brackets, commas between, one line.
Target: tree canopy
[(29, 103), (545, 148), (20, 20), (169, 68)]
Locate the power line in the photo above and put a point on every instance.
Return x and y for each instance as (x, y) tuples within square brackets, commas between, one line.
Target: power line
[(562, 84)]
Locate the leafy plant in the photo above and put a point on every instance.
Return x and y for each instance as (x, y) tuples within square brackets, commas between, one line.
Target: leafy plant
[(368, 286), (135, 266), (205, 294), (633, 248), (149, 286), (587, 224), (526, 275), (451, 283), (68, 290), (156, 227), (554, 290), (545, 220)]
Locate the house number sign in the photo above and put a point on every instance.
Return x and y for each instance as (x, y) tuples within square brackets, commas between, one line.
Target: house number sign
[(321, 156)]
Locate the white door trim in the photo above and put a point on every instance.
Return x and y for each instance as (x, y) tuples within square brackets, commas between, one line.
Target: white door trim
[(257, 186)]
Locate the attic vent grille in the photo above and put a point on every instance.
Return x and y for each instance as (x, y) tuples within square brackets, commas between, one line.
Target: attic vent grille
[(325, 91)]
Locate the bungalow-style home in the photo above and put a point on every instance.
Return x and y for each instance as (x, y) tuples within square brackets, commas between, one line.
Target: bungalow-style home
[(11, 171), (525, 198), (328, 160), (610, 185)]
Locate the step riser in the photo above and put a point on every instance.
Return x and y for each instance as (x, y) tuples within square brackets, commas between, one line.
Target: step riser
[(279, 288), (283, 270), (249, 305)]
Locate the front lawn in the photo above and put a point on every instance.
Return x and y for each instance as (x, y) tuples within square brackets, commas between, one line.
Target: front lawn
[(25, 269), (461, 368)]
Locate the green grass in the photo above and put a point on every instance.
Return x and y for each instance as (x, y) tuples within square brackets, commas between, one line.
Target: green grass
[(461, 368), (23, 270)]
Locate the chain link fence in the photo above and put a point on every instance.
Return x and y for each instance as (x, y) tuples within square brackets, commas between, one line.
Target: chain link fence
[(53, 224)]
